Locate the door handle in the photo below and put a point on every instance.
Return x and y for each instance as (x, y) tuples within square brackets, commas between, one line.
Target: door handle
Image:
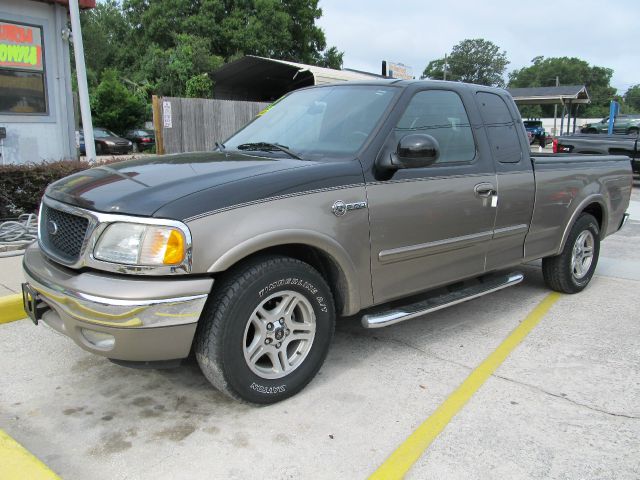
[(484, 190)]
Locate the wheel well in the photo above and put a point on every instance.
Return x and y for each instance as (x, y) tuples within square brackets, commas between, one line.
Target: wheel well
[(318, 259), (595, 209)]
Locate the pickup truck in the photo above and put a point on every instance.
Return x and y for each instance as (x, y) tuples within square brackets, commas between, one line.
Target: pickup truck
[(601, 144), (387, 200)]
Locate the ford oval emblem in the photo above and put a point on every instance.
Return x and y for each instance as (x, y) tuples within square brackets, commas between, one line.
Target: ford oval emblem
[(339, 208), (52, 227)]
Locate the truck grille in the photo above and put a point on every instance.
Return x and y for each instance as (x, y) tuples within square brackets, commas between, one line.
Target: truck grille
[(65, 239)]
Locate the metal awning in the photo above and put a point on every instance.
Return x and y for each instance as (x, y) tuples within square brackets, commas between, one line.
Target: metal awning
[(266, 79), (550, 95)]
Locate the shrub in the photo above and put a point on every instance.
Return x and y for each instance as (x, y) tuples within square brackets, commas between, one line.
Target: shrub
[(114, 107), (22, 186)]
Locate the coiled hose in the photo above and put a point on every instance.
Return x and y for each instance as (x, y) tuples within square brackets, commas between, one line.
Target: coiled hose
[(15, 235)]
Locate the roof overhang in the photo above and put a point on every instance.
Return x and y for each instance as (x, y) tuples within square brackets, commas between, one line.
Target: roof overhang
[(573, 94), (84, 4), (267, 79)]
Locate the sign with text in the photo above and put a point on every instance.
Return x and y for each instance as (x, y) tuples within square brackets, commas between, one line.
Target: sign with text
[(20, 47), (399, 70), (167, 120)]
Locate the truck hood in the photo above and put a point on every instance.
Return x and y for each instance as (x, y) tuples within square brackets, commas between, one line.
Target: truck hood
[(208, 181)]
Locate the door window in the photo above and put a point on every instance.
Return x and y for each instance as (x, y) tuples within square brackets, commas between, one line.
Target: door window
[(441, 114)]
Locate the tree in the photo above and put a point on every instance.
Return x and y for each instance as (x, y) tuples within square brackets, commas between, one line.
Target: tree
[(113, 106), (199, 86), (570, 71), (106, 34), (472, 60), (632, 99), (332, 58), (283, 29)]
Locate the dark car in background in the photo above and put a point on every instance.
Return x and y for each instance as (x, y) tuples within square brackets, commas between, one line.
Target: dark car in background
[(537, 131), (141, 138), (625, 124), (107, 143)]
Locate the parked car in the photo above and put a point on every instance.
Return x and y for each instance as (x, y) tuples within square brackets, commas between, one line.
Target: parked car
[(628, 145), (108, 142), (341, 200), (537, 131), (626, 124), (142, 139)]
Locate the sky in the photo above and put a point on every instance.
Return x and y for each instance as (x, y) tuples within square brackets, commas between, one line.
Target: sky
[(605, 33)]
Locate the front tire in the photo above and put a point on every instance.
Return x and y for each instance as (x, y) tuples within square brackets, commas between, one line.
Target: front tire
[(571, 271), (266, 330)]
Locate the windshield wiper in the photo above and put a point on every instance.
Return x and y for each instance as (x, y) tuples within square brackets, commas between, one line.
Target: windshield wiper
[(269, 147), (220, 146)]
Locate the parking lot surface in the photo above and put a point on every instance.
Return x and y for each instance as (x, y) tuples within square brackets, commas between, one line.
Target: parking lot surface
[(565, 404)]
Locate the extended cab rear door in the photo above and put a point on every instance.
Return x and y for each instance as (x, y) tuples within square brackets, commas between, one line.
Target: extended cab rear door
[(515, 187), (432, 226)]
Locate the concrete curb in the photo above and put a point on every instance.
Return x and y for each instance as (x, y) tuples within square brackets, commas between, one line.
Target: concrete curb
[(11, 309)]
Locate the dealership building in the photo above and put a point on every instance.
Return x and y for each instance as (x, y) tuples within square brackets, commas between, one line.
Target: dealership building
[(36, 103)]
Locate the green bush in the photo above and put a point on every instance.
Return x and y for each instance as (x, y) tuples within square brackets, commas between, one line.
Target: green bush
[(22, 186), (114, 107)]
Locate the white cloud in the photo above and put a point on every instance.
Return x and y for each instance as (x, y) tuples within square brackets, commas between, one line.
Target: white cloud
[(414, 32)]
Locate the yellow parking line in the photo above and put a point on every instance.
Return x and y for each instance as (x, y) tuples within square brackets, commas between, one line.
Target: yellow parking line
[(11, 308), (16, 462), (401, 460)]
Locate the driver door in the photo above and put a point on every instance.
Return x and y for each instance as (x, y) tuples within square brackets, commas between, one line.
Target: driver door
[(432, 226)]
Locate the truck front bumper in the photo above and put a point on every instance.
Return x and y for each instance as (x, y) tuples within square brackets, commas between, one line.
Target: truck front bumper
[(122, 318)]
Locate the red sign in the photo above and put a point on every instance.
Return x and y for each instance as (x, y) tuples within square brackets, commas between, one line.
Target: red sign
[(20, 46)]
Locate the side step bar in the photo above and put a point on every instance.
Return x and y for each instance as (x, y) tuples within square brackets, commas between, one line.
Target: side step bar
[(484, 285)]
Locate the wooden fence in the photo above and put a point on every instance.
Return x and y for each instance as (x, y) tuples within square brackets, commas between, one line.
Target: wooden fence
[(196, 124)]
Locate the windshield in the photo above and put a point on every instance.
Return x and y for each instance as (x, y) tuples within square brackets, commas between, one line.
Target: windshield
[(102, 133), (532, 124), (319, 121)]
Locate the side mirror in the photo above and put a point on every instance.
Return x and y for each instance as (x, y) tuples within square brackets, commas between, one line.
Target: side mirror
[(415, 150)]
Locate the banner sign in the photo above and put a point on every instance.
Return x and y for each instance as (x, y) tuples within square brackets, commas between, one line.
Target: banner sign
[(20, 47)]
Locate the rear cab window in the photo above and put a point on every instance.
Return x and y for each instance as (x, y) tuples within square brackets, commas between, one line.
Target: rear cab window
[(500, 127)]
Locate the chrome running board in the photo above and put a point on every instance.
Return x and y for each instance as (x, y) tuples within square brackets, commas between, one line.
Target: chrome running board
[(482, 286)]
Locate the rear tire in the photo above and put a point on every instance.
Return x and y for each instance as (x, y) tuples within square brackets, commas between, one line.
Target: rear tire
[(249, 349), (571, 271)]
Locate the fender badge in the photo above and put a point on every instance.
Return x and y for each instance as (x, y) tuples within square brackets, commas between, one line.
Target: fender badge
[(339, 208)]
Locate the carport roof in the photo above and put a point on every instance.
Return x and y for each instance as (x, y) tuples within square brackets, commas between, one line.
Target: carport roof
[(262, 79), (550, 95)]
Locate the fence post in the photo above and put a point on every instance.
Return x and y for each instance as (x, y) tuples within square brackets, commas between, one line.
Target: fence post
[(156, 103)]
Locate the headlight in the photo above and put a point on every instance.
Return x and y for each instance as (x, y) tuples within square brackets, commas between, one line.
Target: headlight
[(129, 143), (136, 244), (109, 142)]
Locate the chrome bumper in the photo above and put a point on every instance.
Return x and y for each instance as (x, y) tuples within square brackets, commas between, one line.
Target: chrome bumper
[(134, 319)]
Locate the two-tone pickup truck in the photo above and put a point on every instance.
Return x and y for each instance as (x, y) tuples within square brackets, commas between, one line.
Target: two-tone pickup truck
[(335, 202), (596, 144)]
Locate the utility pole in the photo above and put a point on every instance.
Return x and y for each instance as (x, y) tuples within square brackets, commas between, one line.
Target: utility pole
[(445, 67), (555, 109), (83, 88)]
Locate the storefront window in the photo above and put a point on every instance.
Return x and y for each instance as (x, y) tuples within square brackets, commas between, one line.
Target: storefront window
[(22, 75)]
